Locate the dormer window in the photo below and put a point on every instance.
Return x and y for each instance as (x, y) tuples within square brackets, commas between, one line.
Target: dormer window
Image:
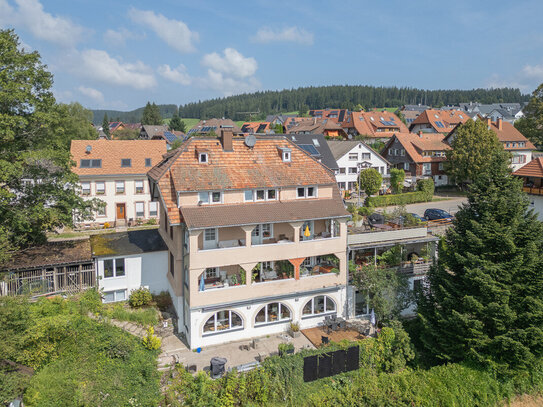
[(126, 162), (203, 158), (285, 154)]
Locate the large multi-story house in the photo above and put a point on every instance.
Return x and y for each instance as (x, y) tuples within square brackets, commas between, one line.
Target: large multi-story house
[(377, 125), (318, 126), (438, 121), (352, 157), (333, 115), (256, 232), (114, 171), (532, 175), (420, 155), (520, 147)]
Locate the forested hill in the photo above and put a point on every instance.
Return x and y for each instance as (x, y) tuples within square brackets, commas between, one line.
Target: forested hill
[(289, 100), (134, 116)]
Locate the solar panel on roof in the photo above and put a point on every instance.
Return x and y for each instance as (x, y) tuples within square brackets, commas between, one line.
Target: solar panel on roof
[(309, 148), (170, 136), (439, 124)]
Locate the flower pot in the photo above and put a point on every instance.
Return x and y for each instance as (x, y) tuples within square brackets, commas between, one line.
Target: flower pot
[(295, 334)]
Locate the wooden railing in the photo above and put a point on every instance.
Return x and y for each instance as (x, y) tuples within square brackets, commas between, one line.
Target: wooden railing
[(533, 190)]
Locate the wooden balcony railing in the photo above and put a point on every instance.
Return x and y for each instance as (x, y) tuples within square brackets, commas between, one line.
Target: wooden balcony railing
[(533, 190)]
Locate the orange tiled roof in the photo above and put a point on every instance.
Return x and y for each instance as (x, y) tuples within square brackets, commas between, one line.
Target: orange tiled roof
[(255, 127), (244, 167), (112, 151), (449, 118), (416, 144), (533, 169), (317, 126), (375, 123), (509, 133)]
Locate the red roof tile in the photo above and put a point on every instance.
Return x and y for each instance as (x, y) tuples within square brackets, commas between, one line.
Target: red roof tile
[(533, 169)]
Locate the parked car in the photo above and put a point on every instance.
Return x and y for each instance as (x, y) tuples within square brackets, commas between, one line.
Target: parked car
[(436, 214)]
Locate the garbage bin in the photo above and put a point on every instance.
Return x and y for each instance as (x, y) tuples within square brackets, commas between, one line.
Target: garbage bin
[(217, 367)]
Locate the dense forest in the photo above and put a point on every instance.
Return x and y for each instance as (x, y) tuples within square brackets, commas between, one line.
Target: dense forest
[(346, 96), (289, 100), (134, 116)]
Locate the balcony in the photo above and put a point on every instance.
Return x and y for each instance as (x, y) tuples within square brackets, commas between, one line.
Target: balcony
[(214, 278), (533, 190)]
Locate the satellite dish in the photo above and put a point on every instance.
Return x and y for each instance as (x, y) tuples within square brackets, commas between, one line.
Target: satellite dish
[(88, 149), (250, 141)]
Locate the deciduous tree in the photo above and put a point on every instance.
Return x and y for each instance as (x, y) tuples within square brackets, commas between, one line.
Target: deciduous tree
[(474, 147), (370, 181), (485, 296), (397, 177), (531, 125), (37, 187)]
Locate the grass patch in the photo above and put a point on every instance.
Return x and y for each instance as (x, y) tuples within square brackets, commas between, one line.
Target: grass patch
[(121, 312), (190, 123)]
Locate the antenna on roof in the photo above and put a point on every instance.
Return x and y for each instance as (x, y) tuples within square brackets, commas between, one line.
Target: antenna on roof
[(250, 141), (88, 149)]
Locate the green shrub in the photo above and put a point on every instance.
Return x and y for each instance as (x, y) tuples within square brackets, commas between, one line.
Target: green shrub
[(426, 185), (143, 316), (140, 297), (162, 300), (366, 210), (399, 199), (151, 341)]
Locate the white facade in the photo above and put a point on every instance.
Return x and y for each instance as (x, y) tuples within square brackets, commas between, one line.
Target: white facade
[(536, 203), (520, 158), (126, 196), (248, 310), (360, 157), (127, 273)]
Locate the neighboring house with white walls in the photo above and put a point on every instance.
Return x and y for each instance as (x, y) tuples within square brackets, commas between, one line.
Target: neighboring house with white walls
[(127, 261), (114, 171), (532, 175), (352, 157), (256, 232)]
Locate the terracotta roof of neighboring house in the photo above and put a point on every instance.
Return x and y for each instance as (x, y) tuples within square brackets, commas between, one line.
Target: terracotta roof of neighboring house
[(132, 126), (416, 144), (442, 121), (206, 126), (335, 115), (375, 123), (127, 243), (170, 136), (293, 121), (533, 169), (112, 151), (49, 254), (317, 126), (113, 126), (255, 127), (244, 167), (200, 217), (312, 142), (154, 129)]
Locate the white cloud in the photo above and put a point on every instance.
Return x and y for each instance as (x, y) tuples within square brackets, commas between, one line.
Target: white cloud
[(118, 37), (533, 71), (31, 16), (177, 75), (288, 34), (174, 32), (230, 73), (232, 63), (92, 93), (100, 66)]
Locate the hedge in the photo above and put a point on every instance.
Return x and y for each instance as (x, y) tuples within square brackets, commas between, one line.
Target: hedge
[(398, 199)]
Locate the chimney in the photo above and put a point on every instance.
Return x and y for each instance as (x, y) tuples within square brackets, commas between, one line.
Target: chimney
[(500, 123), (314, 120), (420, 133), (488, 122), (227, 133)]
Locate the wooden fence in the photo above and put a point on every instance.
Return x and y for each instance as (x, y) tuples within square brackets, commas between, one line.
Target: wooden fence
[(65, 279)]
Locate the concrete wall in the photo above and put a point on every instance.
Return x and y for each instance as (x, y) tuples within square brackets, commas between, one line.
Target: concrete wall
[(154, 268), (295, 303), (369, 237)]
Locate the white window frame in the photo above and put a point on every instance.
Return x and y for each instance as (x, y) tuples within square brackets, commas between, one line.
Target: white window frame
[(287, 157), (306, 189), (279, 319), (211, 243), (87, 183), (98, 191), (312, 301), (142, 209), (353, 156), (211, 272), (209, 195), (426, 168), (115, 294), (117, 183), (151, 204), (406, 166), (440, 166), (203, 158), (211, 201), (114, 264), (136, 186), (215, 325)]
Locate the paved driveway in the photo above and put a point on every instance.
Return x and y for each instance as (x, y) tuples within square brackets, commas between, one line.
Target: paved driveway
[(450, 205)]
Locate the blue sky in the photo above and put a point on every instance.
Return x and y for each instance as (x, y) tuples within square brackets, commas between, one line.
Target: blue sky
[(120, 54)]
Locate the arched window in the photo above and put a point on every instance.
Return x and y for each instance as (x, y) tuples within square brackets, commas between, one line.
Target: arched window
[(223, 321), (319, 305), (273, 312)]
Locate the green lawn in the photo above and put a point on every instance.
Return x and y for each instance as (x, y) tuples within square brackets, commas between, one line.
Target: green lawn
[(189, 123)]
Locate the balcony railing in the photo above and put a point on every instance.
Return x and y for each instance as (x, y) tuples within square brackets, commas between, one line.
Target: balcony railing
[(533, 190)]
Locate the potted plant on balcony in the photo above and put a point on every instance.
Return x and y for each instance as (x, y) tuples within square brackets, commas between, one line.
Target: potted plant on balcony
[(242, 276), (284, 267), (256, 272), (294, 329), (285, 349), (234, 279)]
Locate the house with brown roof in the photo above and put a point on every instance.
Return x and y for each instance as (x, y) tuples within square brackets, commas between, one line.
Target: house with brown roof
[(520, 147), (333, 115), (211, 127), (420, 155), (256, 231), (532, 176), (114, 171), (377, 125), (148, 131), (256, 127), (438, 121), (318, 126)]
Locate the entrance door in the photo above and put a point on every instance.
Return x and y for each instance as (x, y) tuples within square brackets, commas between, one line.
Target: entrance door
[(121, 211)]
